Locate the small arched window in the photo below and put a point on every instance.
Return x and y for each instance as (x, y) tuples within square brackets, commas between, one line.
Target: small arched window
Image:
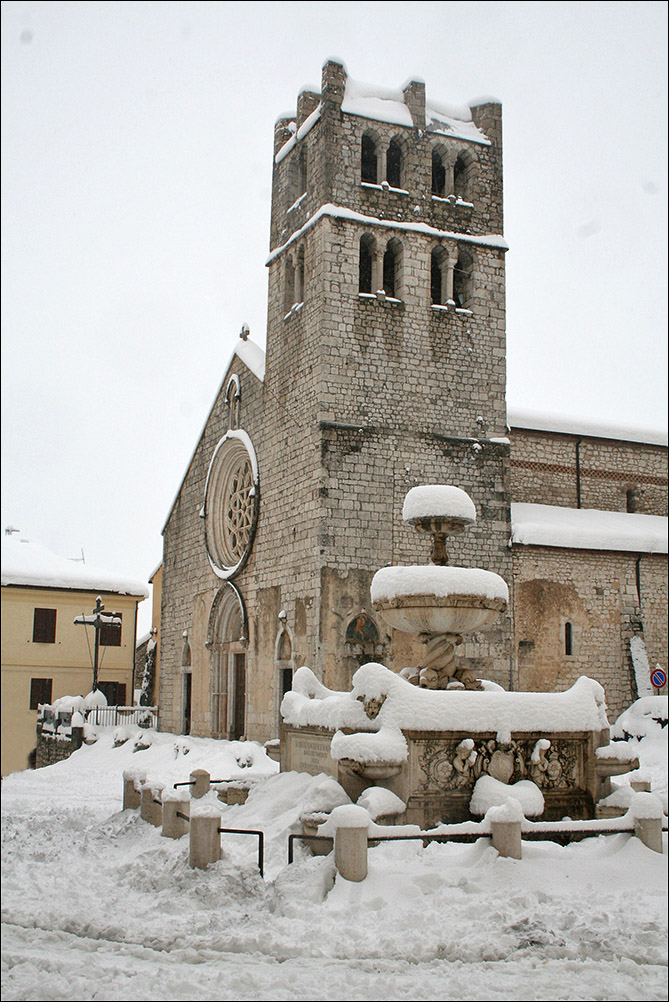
[(394, 164), (438, 260), (289, 284), (299, 277), (392, 260), (367, 250), (460, 186), (232, 399), (369, 160), (568, 639), (301, 173), (462, 280), (438, 174), (632, 499)]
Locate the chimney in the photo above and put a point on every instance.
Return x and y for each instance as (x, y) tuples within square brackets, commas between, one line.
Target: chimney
[(333, 84), (307, 101), (414, 98), (282, 132)]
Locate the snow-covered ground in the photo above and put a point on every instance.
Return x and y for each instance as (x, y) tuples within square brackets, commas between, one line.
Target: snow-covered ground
[(97, 905)]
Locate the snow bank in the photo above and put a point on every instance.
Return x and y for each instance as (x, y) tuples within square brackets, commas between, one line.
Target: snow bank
[(587, 528), (438, 500), (450, 921), (27, 563), (645, 717), (388, 745), (405, 706), (639, 655), (490, 793), (380, 802), (442, 582)]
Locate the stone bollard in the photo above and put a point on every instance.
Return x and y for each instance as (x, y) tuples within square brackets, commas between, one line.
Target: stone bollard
[(505, 823), (148, 810), (205, 840), (646, 810), (506, 838), (201, 783), (173, 802), (132, 780), (349, 824)]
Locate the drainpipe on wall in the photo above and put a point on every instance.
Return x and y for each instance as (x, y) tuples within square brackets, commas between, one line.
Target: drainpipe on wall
[(578, 472)]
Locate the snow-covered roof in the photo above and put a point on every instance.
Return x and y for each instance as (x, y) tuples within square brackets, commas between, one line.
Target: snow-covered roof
[(569, 425), (388, 105), (27, 563), (587, 528), (253, 356)]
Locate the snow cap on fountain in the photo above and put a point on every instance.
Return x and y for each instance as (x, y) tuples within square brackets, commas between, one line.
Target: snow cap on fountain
[(438, 501)]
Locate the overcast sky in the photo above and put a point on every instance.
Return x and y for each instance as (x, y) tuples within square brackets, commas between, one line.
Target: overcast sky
[(136, 171)]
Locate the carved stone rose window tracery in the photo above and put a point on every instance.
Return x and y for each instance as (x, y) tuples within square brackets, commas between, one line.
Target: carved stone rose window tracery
[(231, 504)]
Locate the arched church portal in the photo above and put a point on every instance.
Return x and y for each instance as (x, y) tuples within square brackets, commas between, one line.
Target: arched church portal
[(227, 640)]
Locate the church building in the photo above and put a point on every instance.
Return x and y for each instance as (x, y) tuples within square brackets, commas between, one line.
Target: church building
[(385, 369)]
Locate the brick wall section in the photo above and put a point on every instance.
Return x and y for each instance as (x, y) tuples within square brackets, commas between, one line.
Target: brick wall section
[(597, 593), (544, 471)]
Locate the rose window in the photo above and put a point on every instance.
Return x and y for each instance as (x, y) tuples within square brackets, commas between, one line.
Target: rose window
[(230, 506)]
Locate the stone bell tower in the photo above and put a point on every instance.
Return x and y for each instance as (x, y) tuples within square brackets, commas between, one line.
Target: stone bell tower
[(385, 356)]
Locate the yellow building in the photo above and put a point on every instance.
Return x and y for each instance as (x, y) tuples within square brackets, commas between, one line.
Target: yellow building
[(44, 654)]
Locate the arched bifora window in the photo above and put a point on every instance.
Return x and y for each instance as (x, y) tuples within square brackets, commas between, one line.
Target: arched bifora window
[(462, 280), (461, 178), (368, 160), (394, 164), (366, 267), (438, 173), (392, 269)]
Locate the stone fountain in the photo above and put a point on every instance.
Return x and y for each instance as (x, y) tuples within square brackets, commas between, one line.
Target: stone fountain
[(422, 734), (439, 603)]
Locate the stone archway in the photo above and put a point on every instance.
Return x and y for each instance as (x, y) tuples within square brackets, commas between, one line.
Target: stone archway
[(227, 641)]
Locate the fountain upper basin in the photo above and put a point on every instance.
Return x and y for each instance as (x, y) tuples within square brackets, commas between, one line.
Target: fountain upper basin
[(438, 599)]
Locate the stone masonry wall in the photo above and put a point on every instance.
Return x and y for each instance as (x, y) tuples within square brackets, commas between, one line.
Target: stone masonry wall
[(544, 471), (597, 593)]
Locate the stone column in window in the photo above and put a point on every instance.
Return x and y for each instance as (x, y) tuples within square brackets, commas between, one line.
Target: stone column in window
[(448, 267), (377, 269)]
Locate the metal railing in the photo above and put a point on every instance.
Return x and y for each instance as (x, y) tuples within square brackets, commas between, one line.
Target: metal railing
[(261, 843), (236, 831), (112, 716), (562, 836)]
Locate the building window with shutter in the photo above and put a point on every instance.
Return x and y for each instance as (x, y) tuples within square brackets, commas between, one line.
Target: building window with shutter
[(40, 691), (44, 626), (110, 633)]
